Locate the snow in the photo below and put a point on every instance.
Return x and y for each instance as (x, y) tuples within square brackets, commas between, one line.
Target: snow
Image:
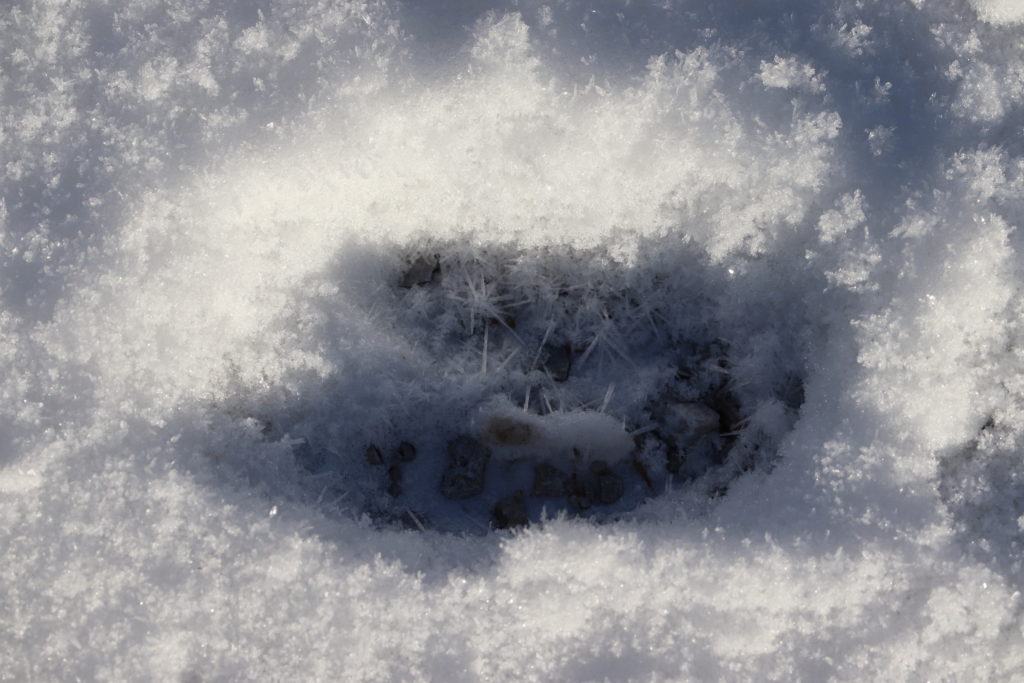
[(999, 11), (594, 435), (207, 209)]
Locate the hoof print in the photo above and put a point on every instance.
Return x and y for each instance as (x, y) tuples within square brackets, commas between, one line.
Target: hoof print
[(591, 386)]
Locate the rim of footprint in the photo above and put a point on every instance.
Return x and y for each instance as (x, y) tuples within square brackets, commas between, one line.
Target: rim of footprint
[(559, 381)]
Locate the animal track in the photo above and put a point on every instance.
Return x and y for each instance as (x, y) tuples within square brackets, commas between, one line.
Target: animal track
[(561, 381)]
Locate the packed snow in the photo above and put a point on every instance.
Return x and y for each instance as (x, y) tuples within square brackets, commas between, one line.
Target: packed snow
[(261, 261)]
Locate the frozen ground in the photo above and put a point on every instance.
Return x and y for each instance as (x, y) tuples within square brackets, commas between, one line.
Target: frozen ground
[(208, 207)]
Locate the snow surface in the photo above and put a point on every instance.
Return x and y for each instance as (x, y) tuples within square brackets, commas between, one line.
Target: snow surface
[(205, 204)]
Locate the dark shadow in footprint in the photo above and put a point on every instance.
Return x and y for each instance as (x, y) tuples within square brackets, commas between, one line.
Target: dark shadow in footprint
[(486, 386)]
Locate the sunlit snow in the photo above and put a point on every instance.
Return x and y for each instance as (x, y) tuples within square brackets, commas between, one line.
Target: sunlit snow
[(743, 273)]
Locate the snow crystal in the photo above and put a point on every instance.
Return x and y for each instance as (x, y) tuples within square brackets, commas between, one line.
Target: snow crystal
[(625, 219), (999, 11), (788, 73)]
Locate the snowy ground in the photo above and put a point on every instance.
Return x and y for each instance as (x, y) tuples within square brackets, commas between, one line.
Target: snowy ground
[(208, 207)]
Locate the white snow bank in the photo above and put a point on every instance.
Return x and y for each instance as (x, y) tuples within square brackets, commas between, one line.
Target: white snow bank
[(205, 213)]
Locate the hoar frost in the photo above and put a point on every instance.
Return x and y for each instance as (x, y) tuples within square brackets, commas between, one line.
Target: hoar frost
[(273, 276)]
